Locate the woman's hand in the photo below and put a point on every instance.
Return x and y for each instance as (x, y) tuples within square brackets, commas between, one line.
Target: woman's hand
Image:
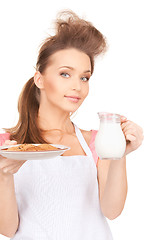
[(10, 166), (133, 135)]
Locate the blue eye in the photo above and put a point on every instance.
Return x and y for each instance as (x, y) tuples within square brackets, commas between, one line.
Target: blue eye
[(65, 75), (86, 79)]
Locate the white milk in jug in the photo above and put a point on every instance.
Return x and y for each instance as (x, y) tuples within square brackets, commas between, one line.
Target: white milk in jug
[(110, 142)]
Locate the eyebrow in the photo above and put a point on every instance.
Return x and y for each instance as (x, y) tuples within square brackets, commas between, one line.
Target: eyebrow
[(73, 68)]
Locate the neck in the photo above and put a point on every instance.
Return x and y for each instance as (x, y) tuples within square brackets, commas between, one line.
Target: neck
[(55, 119)]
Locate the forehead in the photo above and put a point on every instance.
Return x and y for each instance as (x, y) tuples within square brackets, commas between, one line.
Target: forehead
[(70, 57)]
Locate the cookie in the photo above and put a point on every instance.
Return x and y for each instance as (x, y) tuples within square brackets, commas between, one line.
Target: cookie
[(32, 148)]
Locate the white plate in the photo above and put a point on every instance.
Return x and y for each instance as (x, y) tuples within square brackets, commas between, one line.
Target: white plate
[(40, 155)]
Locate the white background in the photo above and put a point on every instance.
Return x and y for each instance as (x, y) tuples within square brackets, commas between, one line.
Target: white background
[(127, 80)]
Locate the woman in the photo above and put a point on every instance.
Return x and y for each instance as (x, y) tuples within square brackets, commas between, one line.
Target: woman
[(67, 197)]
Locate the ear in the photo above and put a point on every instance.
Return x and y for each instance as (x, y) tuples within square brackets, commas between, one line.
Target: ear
[(38, 80)]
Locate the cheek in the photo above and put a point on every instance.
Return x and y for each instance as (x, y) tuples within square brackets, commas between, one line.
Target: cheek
[(50, 87), (54, 90), (86, 92)]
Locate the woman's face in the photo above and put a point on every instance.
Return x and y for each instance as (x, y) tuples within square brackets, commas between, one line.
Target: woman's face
[(67, 75)]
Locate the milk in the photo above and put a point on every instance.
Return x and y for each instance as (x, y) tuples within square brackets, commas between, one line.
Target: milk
[(110, 142)]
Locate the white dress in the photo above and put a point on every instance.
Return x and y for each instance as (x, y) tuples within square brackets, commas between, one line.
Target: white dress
[(58, 199)]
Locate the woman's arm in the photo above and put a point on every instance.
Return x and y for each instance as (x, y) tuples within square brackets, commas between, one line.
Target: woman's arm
[(8, 207), (115, 189), (9, 217), (114, 181)]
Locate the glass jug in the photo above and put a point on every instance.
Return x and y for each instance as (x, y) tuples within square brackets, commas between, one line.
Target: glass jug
[(110, 142)]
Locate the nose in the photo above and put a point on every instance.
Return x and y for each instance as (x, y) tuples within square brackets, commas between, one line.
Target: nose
[(76, 84)]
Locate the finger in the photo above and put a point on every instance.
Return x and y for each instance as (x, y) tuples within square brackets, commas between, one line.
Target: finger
[(10, 142), (123, 119), (7, 142), (7, 169), (4, 165), (131, 131), (10, 162), (13, 142), (132, 124), (6, 161), (15, 165), (127, 125), (13, 170), (136, 134), (130, 137)]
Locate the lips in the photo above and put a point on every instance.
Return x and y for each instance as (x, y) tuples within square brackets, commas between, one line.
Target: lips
[(75, 97)]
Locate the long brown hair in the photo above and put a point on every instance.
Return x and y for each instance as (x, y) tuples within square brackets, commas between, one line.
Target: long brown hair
[(71, 32)]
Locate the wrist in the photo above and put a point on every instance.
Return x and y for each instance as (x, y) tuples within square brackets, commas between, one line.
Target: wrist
[(120, 162)]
